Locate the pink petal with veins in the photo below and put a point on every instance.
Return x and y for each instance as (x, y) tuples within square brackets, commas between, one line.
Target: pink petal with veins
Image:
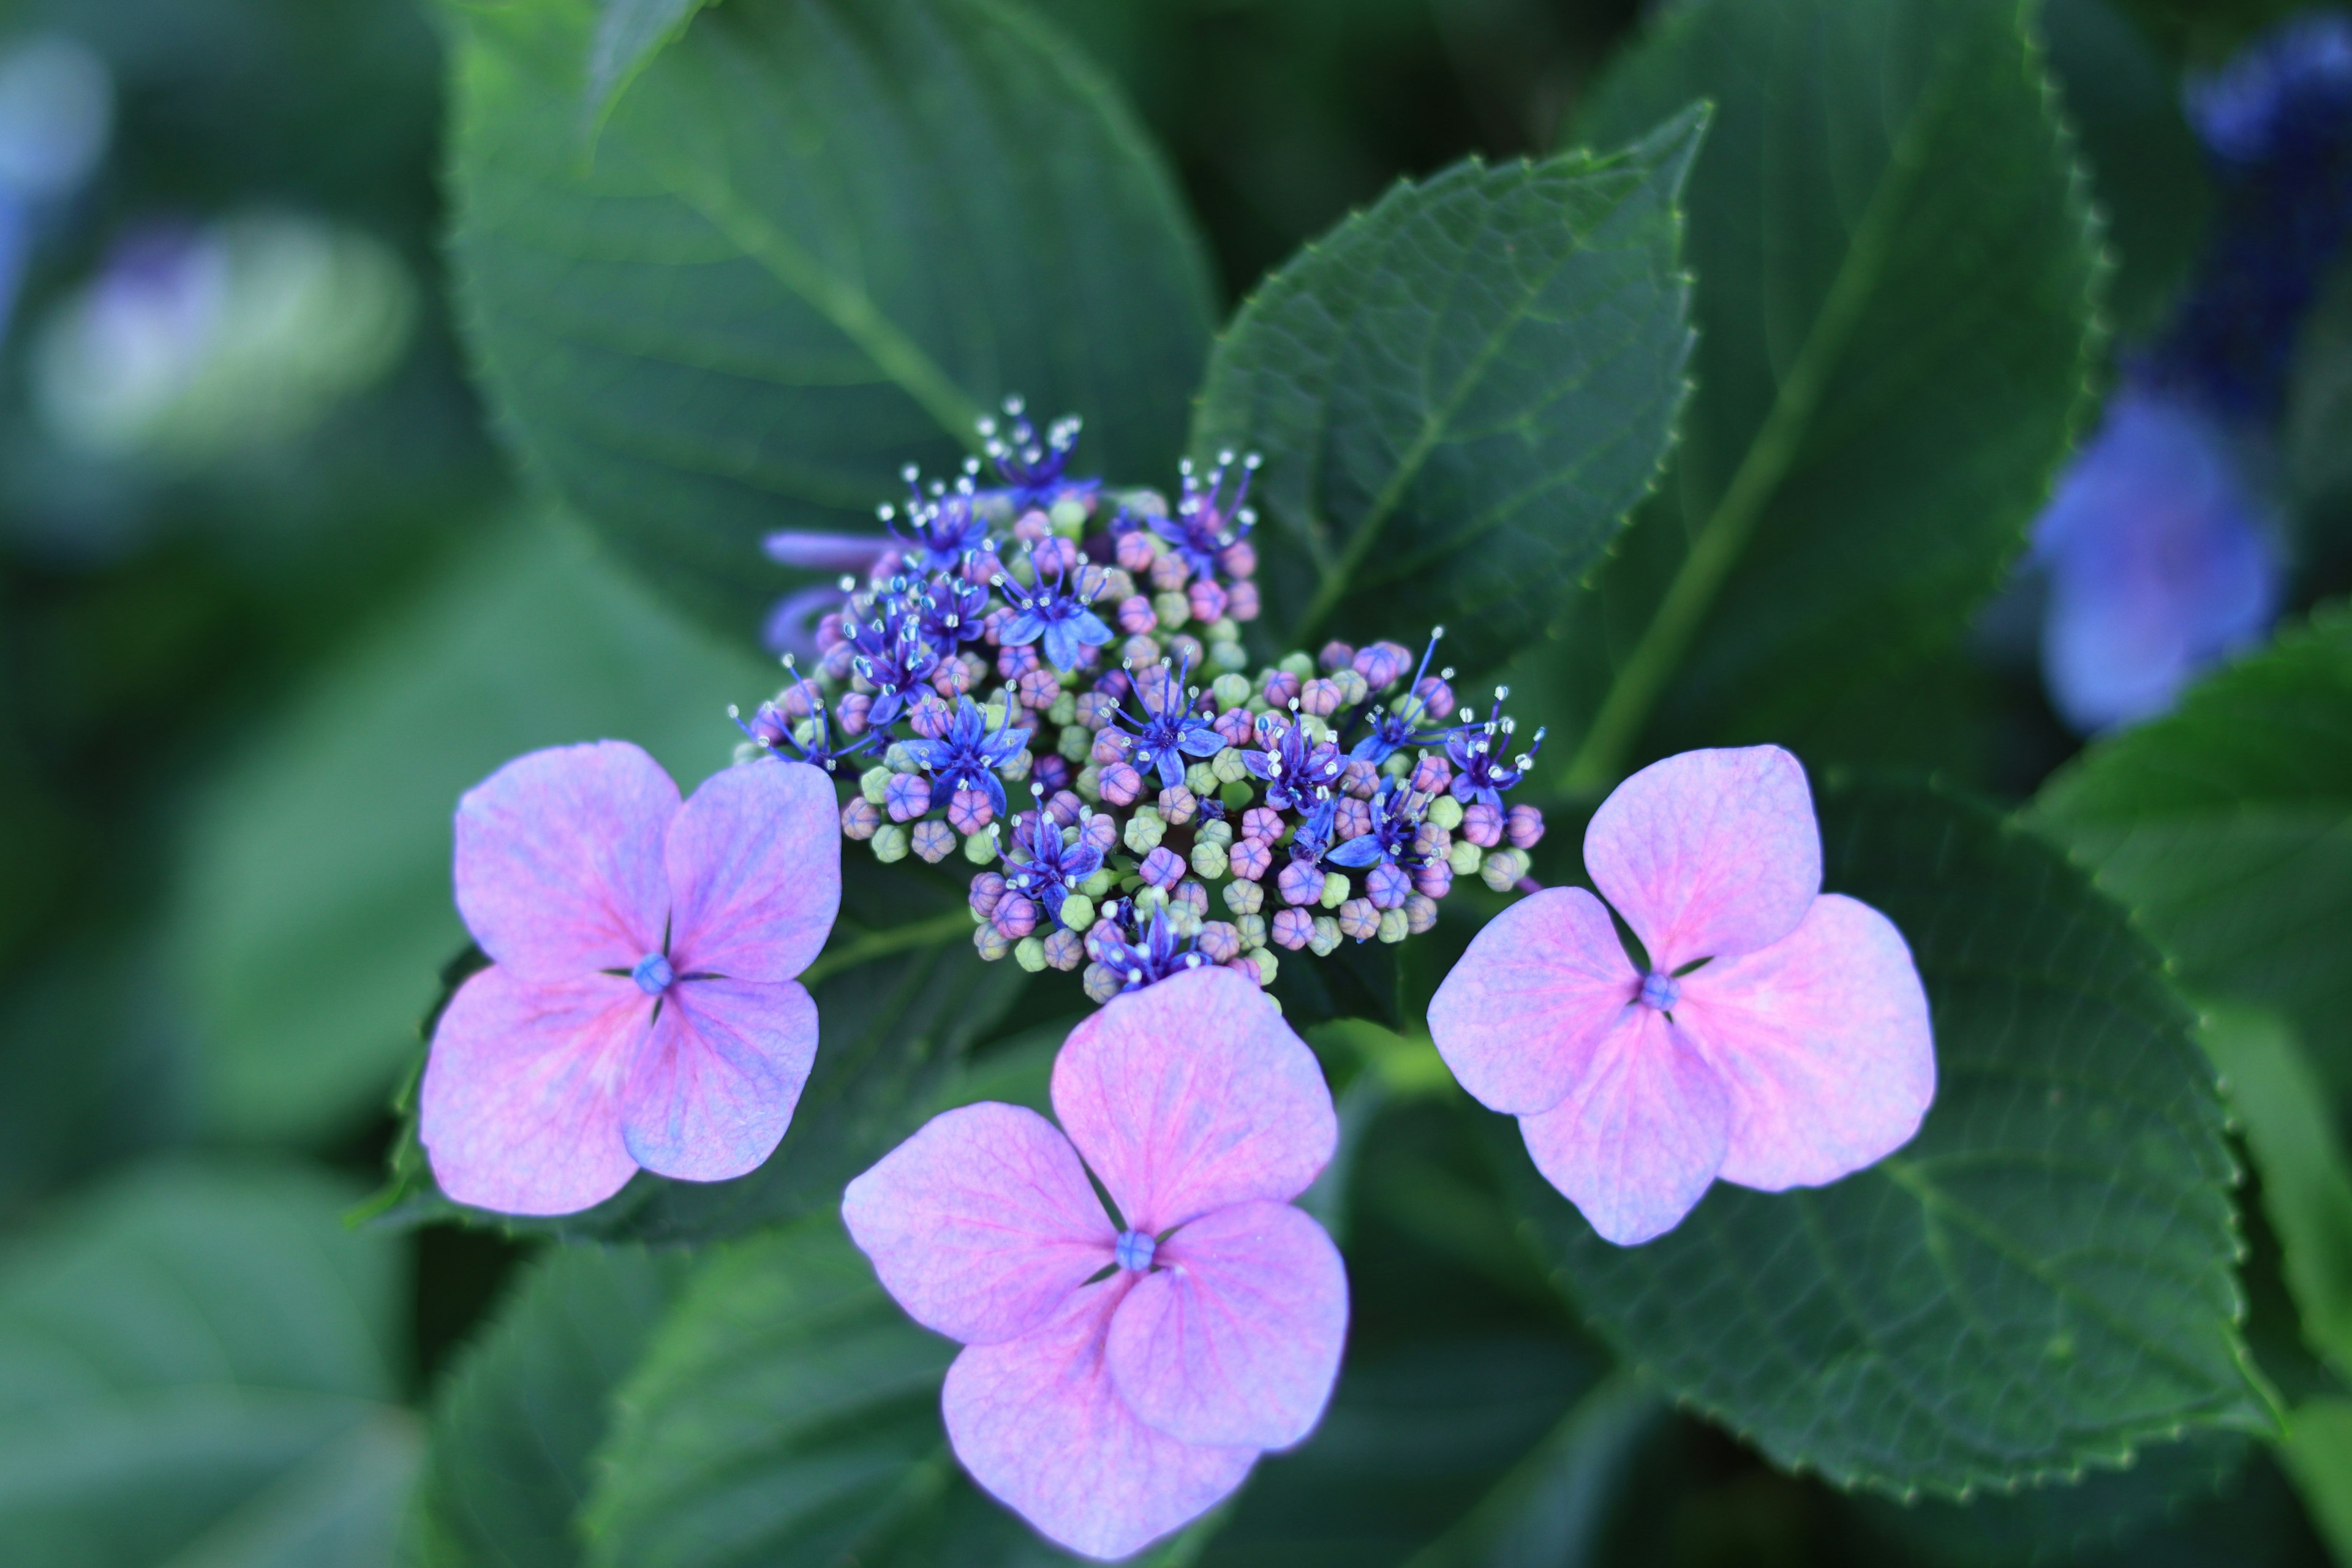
[(518, 1111), (1639, 1138), (1542, 984), (559, 862), (755, 867), (1039, 1424), (1708, 854), (709, 1096), (980, 1225), (1191, 1094), (1824, 1039), (1236, 1337)]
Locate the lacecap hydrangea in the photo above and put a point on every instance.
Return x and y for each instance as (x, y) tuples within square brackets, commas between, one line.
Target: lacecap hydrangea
[(1048, 674)]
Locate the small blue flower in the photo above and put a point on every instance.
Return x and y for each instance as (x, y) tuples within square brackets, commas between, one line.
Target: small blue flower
[(1483, 768), (1207, 521), (1163, 740), (951, 613), (1151, 955), (969, 755), (937, 532), (892, 654), (773, 729), (1396, 817), (1055, 612), (1393, 728), (1049, 867), (1297, 771), (2159, 561), (1032, 468)]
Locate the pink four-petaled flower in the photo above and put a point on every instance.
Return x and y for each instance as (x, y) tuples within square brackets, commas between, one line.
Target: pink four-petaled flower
[(641, 1007), (1780, 1038), (1116, 1383)]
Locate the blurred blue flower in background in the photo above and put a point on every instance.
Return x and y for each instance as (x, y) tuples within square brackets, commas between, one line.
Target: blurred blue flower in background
[(57, 112), (2162, 544)]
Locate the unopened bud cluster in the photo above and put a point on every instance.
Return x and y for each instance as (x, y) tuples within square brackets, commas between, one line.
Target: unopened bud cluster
[(1084, 647)]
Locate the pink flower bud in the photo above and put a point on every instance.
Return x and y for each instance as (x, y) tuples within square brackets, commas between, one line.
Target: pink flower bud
[(1066, 950), (1281, 689), (1247, 967), (1241, 602), (1261, 823), (1360, 779), (828, 632), (928, 717), (1013, 663), (907, 797), (1239, 559), (1434, 879), (852, 710), (1249, 859), (1482, 824), (1432, 775), (969, 810), (1170, 573), (1221, 941), (1014, 917), (1320, 697), (1163, 868), (1293, 929), (1387, 886), (1136, 617), (1038, 689), (859, 818), (1235, 727), (838, 661), (1207, 600), (1336, 655), (933, 840), (987, 893), (1134, 550), (1050, 771), (1063, 806), (1033, 527), (1177, 805), (1110, 746), (1436, 696), (1300, 883), (1358, 918), (1353, 819), (1120, 783), (1099, 830), (1139, 651), (1526, 827), (1382, 665), (1420, 913), (1054, 554), (1095, 708)]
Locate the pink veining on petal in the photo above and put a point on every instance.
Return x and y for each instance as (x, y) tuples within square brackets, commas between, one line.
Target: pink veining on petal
[(1191, 1094), (559, 859), (754, 869), (518, 1109), (1541, 985), (1038, 1423), (1825, 1043), (708, 1095), (1708, 854), (1236, 1337), (980, 1225), (1636, 1143)]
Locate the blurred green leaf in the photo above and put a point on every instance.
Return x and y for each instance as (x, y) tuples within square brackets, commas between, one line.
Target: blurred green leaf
[(2318, 1454), (2223, 828), (2306, 1182), (2147, 174), (316, 905), (814, 241), (1460, 394), (894, 1030), (629, 32), (788, 1414), (513, 1428), (2041, 1282), (1894, 302), (198, 1366)]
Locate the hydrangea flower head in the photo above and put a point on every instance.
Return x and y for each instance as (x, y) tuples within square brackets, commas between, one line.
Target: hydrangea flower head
[(641, 1008), (1779, 1038), (1121, 1374), (2159, 558)]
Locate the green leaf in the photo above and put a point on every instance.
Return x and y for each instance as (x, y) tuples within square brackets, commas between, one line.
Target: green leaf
[(2223, 828), (513, 1428), (2318, 1454), (2041, 1282), (315, 907), (788, 1414), (814, 241), (899, 1009), (199, 1365), (2306, 1181), (1459, 394), (629, 32), (1895, 282)]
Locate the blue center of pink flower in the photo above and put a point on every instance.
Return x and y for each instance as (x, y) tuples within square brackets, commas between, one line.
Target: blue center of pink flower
[(652, 975), (1134, 1250), (1660, 991)]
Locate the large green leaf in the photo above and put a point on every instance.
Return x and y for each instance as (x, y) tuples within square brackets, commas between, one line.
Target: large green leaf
[(513, 1428), (899, 1006), (628, 34), (316, 904), (2041, 1282), (199, 1366), (788, 1414), (1896, 277), (1459, 395), (815, 241), (2226, 829)]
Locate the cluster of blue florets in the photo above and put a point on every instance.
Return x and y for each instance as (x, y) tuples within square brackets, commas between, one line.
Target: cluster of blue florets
[(1046, 636)]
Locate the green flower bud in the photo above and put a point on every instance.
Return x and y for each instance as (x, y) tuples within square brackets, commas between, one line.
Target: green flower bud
[(1266, 965), (1172, 609), (1078, 910), (1465, 856), (1076, 744), (1228, 656), (890, 842), (1446, 812), (1335, 890), (1227, 766), (1299, 665), (1243, 898), (1101, 882), (1503, 869), (1069, 515), (1231, 691), (1220, 833), (1029, 952), (873, 784), (1064, 710), (1326, 938), (1144, 831), (980, 849), (1252, 931), (899, 760), (1394, 927), (1208, 860)]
